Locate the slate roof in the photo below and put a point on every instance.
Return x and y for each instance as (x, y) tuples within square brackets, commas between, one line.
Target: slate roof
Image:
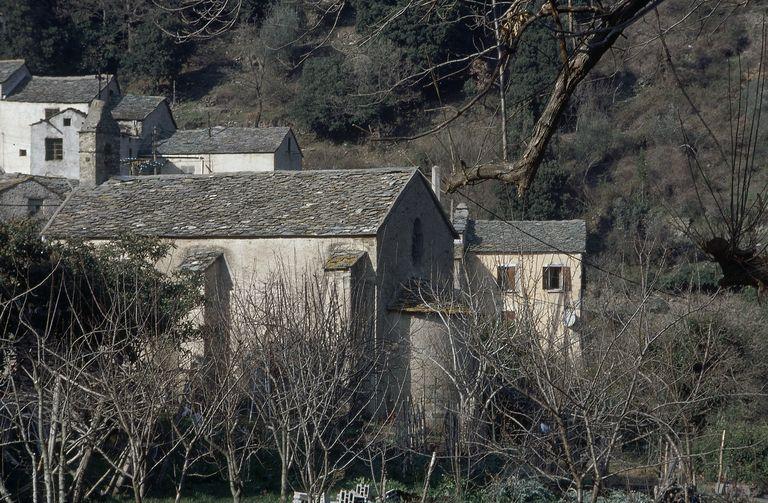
[(235, 205), (200, 259), (528, 236), (8, 66), (134, 107), (223, 140), (56, 184), (342, 260), (59, 89), (418, 296)]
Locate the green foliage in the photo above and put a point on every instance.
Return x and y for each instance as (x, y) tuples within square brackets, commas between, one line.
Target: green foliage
[(339, 98), (321, 104), (518, 490), (73, 290), (278, 34), (697, 276), (423, 43), (550, 197), (532, 69), (67, 37), (29, 30), (153, 55), (745, 458), (624, 497)]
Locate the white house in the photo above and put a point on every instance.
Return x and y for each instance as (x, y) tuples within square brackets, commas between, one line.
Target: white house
[(26, 99), (226, 150), (56, 144)]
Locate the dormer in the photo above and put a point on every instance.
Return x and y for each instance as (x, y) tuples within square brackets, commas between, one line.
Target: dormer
[(12, 73)]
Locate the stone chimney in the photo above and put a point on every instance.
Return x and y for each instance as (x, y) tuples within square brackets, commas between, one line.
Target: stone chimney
[(461, 219), (460, 223), (99, 145), (436, 181)]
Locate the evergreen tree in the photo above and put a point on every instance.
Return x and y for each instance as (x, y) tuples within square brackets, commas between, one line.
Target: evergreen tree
[(550, 197), (31, 30)]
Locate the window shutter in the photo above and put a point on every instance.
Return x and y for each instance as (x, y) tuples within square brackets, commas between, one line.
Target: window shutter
[(500, 278), (544, 278), (566, 279), (511, 271)]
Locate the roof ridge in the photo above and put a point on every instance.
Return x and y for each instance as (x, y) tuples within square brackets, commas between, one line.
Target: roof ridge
[(526, 221), (287, 172), (80, 77)]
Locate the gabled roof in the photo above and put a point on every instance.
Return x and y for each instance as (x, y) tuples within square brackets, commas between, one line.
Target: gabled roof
[(135, 107), (81, 89), (66, 110), (236, 205), (57, 184), (223, 140), (8, 67), (527, 236)]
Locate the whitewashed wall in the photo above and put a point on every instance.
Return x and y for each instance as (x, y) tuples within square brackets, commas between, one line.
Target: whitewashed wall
[(16, 119), (69, 166)]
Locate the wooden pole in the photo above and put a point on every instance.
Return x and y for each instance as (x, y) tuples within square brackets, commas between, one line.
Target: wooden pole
[(719, 488), (429, 476)]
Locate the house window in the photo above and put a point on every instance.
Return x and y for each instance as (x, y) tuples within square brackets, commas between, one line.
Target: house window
[(50, 112), (67, 122), (417, 242), (22, 152), (33, 206), (54, 149), (506, 278), (557, 278)]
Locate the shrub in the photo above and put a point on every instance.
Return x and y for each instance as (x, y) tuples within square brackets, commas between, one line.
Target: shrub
[(745, 458), (343, 97), (517, 490)]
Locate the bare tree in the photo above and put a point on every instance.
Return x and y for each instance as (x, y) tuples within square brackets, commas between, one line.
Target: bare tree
[(731, 196), (312, 381), (564, 408)]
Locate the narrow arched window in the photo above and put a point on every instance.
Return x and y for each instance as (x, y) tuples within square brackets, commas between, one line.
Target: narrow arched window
[(417, 242)]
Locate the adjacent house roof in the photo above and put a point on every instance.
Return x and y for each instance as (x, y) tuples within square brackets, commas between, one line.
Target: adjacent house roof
[(244, 204), (60, 89), (223, 140), (134, 107), (8, 67), (529, 236), (58, 185)]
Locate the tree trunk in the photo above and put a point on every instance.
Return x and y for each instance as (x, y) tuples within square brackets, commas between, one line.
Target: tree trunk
[(589, 52)]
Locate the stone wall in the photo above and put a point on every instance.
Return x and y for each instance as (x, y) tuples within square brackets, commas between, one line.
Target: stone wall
[(15, 201)]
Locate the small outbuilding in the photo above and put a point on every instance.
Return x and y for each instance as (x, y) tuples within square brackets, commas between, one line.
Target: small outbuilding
[(226, 149)]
